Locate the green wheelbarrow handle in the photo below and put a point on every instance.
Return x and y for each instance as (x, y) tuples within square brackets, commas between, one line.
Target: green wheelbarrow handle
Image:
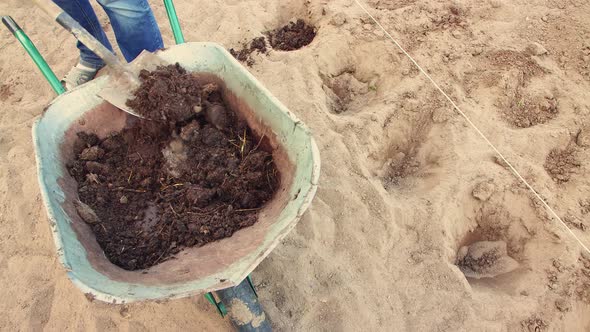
[(34, 54), (174, 22)]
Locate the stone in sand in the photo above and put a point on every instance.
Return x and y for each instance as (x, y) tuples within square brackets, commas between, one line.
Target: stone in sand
[(536, 49), (338, 19), (484, 190), (86, 213), (583, 138), (217, 115), (92, 153)]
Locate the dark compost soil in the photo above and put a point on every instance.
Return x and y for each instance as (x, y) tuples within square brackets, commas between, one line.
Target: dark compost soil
[(292, 36), (195, 176), (245, 54)]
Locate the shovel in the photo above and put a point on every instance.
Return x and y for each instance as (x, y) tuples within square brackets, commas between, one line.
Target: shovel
[(124, 79)]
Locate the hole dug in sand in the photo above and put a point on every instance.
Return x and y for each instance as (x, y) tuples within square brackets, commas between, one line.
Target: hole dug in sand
[(496, 246), (410, 157), (292, 36), (485, 259), (524, 111), (345, 92), (562, 164)]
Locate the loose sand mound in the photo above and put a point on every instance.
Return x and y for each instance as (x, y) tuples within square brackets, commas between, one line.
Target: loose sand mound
[(377, 250)]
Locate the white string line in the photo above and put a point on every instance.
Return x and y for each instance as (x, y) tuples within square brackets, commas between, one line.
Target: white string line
[(479, 132)]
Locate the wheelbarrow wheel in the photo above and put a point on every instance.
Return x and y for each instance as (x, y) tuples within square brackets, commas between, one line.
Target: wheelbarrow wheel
[(243, 308)]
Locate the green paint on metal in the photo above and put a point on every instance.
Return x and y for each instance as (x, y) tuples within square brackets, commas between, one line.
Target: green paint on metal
[(251, 283), (210, 298), (39, 61), (220, 307), (174, 22)]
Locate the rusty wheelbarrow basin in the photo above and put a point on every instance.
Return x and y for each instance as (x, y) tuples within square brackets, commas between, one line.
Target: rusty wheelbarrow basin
[(196, 270)]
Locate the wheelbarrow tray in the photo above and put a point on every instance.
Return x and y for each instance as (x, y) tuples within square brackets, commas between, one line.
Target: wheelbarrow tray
[(196, 270)]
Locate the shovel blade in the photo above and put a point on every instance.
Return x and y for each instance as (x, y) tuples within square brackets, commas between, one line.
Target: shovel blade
[(122, 85)]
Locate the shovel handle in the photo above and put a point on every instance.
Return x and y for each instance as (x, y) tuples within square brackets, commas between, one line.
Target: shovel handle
[(67, 22)]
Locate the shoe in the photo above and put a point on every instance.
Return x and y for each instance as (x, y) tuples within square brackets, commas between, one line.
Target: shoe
[(78, 75)]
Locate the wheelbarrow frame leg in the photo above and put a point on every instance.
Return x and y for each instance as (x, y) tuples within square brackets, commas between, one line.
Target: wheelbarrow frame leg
[(245, 312)]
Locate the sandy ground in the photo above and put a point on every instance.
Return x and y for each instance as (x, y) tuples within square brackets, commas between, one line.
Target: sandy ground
[(405, 181)]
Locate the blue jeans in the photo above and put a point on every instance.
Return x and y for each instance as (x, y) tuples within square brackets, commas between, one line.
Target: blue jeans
[(133, 22)]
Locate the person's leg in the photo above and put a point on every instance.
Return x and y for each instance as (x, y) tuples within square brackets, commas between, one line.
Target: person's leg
[(134, 25), (82, 12)]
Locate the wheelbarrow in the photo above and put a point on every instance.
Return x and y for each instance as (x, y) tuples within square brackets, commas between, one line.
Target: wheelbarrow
[(219, 269)]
